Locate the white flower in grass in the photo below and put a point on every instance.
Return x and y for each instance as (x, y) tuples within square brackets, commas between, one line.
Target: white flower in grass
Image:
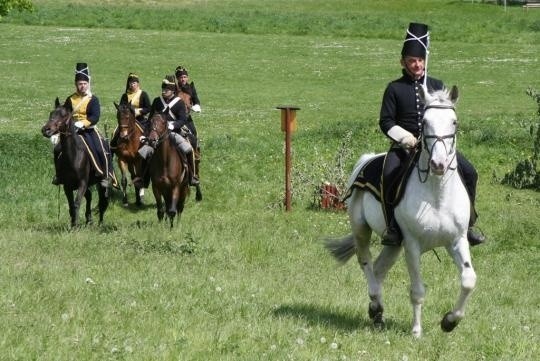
[(211, 279), (405, 358), (299, 341), (323, 340), (526, 328), (334, 346), (65, 317), (218, 289), (273, 347), (89, 281)]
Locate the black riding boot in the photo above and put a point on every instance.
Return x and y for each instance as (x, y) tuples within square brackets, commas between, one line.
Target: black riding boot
[(475, 238), (392, 235), (194, 180)]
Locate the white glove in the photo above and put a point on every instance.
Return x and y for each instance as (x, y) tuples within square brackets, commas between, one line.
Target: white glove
[(408, 142), (196, 108), (142, 139), (137, 112), (402, 136), (171, 126), (55, 138), (79, 124)]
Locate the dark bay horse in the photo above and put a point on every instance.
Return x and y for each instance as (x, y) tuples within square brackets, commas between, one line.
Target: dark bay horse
[(75, 166), (186, 98), (167, 171), (129, 160)]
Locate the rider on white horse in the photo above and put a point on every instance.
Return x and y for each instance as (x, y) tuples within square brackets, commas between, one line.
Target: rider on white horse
[(401, 117)]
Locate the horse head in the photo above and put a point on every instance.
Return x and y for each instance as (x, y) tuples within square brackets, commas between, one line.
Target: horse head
[(125, 115), (159, 129), (59, 121), (439, 128)]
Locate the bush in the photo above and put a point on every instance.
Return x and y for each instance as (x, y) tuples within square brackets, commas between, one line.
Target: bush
[(526, 174)]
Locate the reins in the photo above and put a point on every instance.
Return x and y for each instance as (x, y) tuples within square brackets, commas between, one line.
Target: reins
[(438, 139)]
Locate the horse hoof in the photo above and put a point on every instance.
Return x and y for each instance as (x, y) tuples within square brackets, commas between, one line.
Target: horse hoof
[(446, 324), (377, 316)]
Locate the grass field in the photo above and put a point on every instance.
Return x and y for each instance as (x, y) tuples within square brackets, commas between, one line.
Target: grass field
[(240, 278)]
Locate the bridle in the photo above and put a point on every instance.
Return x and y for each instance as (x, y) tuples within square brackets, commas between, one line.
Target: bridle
[(64, 123), (160, 137), (438, 138)]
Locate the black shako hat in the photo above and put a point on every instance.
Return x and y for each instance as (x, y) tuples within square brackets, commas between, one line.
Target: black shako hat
[(180, 70), (416, 41), (131, 78), (82, 72), (169, 82)]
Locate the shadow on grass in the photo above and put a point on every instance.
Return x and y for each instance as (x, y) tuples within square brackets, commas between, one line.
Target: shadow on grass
[(318, 315)]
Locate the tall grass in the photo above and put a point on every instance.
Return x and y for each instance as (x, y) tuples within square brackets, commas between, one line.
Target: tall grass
[(239, 278)]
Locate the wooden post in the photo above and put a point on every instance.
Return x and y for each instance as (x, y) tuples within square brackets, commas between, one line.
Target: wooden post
[(288, 125)]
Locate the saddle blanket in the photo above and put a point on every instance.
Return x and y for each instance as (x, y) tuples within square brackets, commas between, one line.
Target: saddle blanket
[(368, 177)]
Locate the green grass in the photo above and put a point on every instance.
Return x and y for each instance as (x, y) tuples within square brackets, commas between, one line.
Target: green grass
[(239, 278)]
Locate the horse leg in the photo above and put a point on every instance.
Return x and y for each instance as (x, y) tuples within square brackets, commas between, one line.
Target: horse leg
[(132, 168), (159, 202), (376, 274), (103, 202), (418, 291), (123, 181), (73, 208), (462, 258), (171, 202), (198, 193), (88, 209)]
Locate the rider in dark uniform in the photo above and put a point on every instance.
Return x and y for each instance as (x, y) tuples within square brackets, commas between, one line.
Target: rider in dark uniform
[(86, 111), (175, 111), (139, 100), (401, 120)]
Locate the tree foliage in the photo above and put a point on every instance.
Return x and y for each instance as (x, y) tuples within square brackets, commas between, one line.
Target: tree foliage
[(7, 5)]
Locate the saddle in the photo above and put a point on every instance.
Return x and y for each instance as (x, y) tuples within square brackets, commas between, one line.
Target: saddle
[(369, 178), (94, 157)]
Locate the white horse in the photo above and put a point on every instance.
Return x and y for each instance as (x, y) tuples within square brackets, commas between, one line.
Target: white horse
[(434, 212)]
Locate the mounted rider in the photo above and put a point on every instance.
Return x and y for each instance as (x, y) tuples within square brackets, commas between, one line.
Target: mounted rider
[(139, 100), (175, 111), (187, 91), (401, 117), (86, 110)]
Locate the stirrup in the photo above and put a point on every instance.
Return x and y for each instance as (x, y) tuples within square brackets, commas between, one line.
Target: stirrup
[(392, 236), (475, 238)]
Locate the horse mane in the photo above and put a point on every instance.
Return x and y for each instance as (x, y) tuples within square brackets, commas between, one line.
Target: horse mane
[(445, 97)]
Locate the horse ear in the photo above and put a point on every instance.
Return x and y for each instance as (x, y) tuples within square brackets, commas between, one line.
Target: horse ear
[(56, 103), (454, 95)]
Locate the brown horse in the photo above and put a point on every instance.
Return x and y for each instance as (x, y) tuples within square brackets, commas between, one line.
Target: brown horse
[(167, 170), (186, 98), (129, 160), (75, 165)]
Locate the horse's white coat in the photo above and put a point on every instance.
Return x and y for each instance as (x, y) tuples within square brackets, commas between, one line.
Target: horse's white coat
[(434, 212)]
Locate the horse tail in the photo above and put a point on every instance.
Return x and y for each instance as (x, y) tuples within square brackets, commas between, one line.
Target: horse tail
[(342, 249)]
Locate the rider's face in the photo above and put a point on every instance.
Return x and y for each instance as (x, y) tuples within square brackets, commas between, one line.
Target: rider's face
[(183, 79), (414, 66), (82, 86), (167, 93)]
